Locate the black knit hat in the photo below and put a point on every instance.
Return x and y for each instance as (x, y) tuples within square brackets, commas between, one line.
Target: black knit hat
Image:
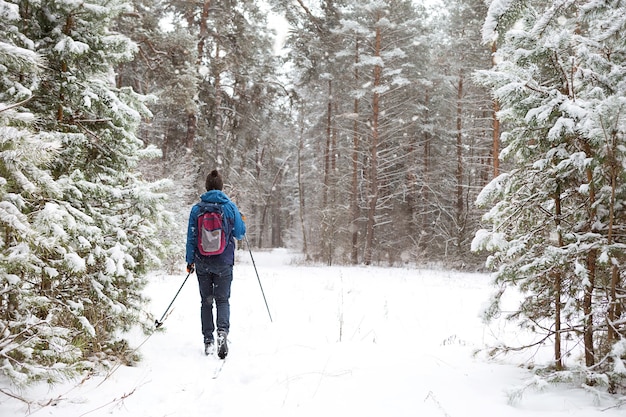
[(214, 181)]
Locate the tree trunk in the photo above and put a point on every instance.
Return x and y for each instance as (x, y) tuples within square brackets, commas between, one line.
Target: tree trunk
[(373, 194), (203, 30), (496, 123), (459, 153), (277, 224), (329, 112), (191, 129), (260, 156), (558, 361), (327, 220), (426, 195), (192, 119), (305, 248), (219, 122), (591, 268), (614, 302), (590, 359), (354, 198), (558, 277)]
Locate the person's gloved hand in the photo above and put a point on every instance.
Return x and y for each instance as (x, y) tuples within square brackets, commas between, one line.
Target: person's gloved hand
[(190, 268)]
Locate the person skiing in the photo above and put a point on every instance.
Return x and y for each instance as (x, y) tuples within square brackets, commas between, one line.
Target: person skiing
[(214, 270)]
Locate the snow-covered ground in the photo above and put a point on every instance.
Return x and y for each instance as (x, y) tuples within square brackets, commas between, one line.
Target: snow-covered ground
[(353, 341)]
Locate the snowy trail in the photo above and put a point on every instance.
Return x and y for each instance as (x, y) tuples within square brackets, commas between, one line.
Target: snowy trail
[(344, 341)]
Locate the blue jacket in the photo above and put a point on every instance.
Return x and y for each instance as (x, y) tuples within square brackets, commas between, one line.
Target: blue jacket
[(231, 214)]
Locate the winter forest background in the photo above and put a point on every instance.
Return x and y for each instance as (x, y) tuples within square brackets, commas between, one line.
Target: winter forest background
[(370, 136)]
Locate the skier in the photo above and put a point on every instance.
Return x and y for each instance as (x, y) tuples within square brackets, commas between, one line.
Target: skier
[(214, 272)]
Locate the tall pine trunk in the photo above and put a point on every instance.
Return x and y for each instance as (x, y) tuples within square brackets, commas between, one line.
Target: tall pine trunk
[(425, 221), (588, 336), (496, 122), (192, 118), (373, 171), (219, 119), (354, 197), (614, 303), (327, 220), (558, 282), (301, 204), (459, 157)]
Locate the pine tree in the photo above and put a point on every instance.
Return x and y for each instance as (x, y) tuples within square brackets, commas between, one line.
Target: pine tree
[(556, 214), (23, 182), (462, 127), (391, 63), (82, 230), (238, 111), (165, 67)]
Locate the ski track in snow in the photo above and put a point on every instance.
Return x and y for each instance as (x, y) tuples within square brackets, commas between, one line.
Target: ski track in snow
[(364, 341)]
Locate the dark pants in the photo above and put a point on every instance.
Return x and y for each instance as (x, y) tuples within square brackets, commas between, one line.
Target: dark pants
[(214, 281)]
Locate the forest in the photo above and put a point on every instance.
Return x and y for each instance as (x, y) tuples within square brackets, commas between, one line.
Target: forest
[(466, 134)]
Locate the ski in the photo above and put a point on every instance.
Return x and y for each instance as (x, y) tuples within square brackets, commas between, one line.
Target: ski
[(218, 369)]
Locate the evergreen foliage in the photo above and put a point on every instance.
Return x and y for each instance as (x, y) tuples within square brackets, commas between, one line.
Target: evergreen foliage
[(557, 217), (79, 225), (376, 129), (239, 111)]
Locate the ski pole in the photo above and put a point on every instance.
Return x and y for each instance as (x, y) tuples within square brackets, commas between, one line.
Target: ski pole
[(259, 279), (159, 323)]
